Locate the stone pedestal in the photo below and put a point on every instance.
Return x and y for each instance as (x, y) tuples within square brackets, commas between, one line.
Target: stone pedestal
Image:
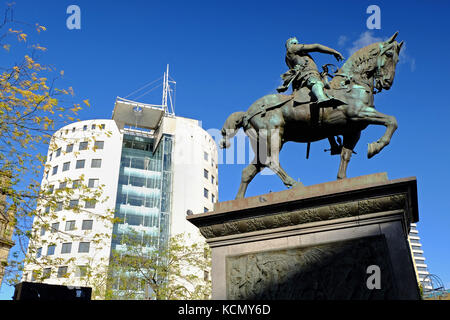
[(344, 239)]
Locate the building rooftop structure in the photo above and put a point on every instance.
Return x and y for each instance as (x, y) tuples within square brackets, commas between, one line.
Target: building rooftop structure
[(153, 168)]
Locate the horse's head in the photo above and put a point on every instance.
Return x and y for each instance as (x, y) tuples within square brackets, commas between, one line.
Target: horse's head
[(386, 62), (373, 65)]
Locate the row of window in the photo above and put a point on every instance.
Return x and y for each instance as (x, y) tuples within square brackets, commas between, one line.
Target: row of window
[(424, 269), (206, 195), (82, 146), (80, 272), (74, 203), (80, 164), (92, 183), (85, 127), (83, 247), (206, 175), (206, 158), (70, 226)]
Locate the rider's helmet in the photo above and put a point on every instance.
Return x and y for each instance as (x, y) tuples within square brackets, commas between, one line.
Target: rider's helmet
[(291, 41)]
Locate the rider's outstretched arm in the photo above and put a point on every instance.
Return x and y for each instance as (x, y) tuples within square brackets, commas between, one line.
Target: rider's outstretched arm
[(318, 48)]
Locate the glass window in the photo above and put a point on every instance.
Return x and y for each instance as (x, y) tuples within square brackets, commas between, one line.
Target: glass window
[(205, 156), (83, 146), (59, 206), (213, 198), (80, 164), (96, 163), (137, 181), (205, 193), (73, 129), (69, 148), (212, 179), (421, 269), (205, 209), (73, 203), (70, 225), (81, 271), (137, 163), (38, 252), (50, 157), (75, 184), (66, 166), (55, 227), (135, 201), (62, 272), (66, 247), (93, 127), (102, 126), (93, 183), (87, 225), (42, 231), (99, 144), (58, 153), (47, 209), (51, 188), (54, 170), (62, 185), (205, 173), (51, 250), (83, 247), (84, 128), (46, 273), (90, 204)]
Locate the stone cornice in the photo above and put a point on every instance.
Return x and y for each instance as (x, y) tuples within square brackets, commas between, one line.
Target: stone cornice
[(336, 199)]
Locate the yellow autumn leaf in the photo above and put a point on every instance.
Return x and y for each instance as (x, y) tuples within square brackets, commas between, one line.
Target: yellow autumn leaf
[(87, 102), (22, 36)]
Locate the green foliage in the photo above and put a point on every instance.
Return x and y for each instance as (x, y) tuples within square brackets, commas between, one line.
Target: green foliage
[(176, 270), (31, 108)]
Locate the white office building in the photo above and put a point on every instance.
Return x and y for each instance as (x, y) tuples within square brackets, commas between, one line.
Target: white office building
[(154, 168), (418, 257)]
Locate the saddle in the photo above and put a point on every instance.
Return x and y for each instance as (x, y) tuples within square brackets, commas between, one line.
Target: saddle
[(305, 96)]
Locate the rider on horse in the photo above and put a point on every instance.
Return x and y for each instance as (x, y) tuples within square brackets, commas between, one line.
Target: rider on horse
[(303, 70), (303, 73)]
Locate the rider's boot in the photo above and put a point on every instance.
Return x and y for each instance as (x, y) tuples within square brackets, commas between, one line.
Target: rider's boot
[(317, 90)]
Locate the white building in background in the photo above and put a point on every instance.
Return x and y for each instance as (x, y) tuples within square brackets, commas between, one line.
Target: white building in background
[(155, 168), (418, 257)]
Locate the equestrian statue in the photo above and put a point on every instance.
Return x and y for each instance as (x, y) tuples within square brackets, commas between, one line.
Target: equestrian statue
[(318, 108)]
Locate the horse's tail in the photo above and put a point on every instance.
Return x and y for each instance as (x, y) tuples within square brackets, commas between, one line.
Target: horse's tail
[(230, 128)]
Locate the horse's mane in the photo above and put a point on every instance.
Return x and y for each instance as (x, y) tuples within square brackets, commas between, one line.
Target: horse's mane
[(360, 62)]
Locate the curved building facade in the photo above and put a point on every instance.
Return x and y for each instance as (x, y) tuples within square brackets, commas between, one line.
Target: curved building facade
[(150, 179), (84, 157)]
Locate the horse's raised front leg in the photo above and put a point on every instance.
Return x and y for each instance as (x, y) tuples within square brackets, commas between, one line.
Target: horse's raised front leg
[(350, 141), (372, 116)]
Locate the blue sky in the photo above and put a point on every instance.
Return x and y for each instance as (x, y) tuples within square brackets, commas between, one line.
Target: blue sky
[(225, 55)]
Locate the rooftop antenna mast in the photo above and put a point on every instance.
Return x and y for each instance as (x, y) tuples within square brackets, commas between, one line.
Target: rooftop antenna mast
[(167, 93)]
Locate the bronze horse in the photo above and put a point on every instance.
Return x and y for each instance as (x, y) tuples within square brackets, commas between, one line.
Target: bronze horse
[(277, 118)]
